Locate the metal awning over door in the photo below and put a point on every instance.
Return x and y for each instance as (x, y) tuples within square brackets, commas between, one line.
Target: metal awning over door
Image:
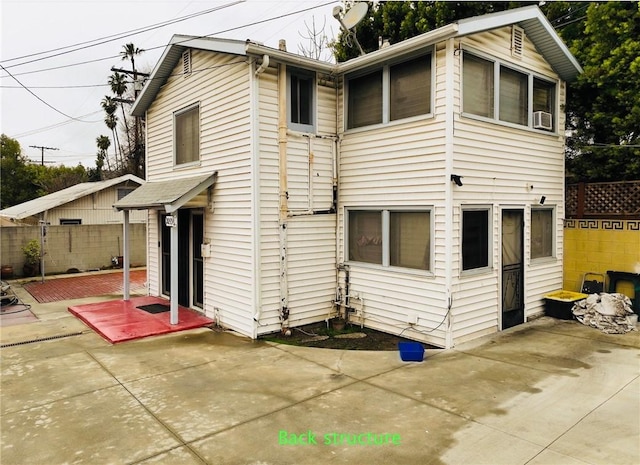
[(167, 196)]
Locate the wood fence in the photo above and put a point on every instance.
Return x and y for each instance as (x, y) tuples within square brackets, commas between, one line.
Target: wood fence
[(605, 200)]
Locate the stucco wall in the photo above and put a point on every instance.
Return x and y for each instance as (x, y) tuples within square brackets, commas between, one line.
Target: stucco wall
[(599, 246), (84, 247)]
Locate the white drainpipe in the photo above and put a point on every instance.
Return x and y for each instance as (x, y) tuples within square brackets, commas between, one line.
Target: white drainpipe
[(255, 193), (448, 207)]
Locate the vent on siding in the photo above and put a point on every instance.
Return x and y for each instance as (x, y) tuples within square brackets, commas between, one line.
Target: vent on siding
[(186, 62), (517, 41)]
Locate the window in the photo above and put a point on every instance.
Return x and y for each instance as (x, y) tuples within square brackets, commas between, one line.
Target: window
[(513, 96), (68, 221), (187, 135), (543, 95), (541, 233), (478, 86), (365, 100), (475, 239), (519, 94), (395, 92), (365, 236), (410, 89), (390, 238), (409, 239), (122, 192), (300, 105)]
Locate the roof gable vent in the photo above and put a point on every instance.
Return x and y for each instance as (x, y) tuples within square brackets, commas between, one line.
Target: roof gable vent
[(186, 62), (517, 41)]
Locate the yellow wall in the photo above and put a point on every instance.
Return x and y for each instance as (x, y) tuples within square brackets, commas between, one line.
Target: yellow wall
[(598, 246)]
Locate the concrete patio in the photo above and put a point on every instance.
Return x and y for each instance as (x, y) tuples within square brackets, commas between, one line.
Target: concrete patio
[(547, 392)]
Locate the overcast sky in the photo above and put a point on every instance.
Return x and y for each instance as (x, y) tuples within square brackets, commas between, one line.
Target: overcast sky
[(61, 108)]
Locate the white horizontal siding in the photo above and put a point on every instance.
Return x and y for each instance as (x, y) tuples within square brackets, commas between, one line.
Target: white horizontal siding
[(311, 243), (153, 254), (220, 85), (388, 298), (95, 208)]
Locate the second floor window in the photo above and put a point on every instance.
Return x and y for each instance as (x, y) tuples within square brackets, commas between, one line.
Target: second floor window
[(495, 91), (395, 92), (300, 106), (186, 133)]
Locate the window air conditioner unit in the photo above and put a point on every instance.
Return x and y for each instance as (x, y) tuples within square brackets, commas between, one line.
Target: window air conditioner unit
[(542, 120)]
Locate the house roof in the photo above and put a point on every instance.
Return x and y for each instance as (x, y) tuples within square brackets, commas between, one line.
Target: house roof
[(535, 24), (169, 195), (530, 18), (61, 197)]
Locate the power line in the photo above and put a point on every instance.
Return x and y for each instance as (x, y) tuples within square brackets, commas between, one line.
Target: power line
[(36, 96), (114, 37), (255, 23), (43, 148), (55, 126)]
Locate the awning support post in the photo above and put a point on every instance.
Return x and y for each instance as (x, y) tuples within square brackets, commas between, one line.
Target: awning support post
[(125, 252), (174, 270)]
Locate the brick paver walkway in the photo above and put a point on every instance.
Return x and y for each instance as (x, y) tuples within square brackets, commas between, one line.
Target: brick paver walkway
[(78, 287)]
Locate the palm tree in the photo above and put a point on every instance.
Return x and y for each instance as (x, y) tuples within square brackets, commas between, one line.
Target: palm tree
[(118, 84), (129, 52), (111, 120), (103, 143)]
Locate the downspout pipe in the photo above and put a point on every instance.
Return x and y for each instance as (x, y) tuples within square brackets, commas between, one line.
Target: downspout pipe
[(449, 204), (255, 193), (283, 195)]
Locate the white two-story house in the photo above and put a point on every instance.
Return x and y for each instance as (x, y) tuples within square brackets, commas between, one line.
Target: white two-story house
[(417, 189)]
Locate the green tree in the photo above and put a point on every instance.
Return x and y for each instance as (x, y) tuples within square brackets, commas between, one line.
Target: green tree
[(54, 178), (118, 84), (103, 143), (396, 21), (111, 121), (603, 106), (16, 181), (136, 155)]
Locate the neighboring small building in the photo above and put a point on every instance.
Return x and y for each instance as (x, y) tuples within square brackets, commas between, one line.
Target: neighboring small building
[(82, 232), (419, 188), (84, 203)]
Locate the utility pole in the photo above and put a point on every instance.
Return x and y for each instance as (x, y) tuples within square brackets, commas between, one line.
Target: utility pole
[(42, 150), (136, 91)]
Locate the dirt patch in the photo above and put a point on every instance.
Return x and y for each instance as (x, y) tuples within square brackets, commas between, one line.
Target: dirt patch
[(352, 337)]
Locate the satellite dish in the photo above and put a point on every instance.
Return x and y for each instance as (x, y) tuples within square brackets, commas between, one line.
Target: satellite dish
[(351, 19), (356, 14)]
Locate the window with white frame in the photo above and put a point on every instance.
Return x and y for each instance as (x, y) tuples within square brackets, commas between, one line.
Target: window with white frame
[(300, 105), (542, 239), (503, 93), (391, 238), (186, 133), (475, 238), (394, 92)]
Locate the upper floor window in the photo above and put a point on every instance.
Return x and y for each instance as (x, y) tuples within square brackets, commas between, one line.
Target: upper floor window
[(495, 91), (396, 91), (300, 106), (186, 134)]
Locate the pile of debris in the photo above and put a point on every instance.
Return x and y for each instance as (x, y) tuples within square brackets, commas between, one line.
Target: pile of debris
[(610, 313)]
